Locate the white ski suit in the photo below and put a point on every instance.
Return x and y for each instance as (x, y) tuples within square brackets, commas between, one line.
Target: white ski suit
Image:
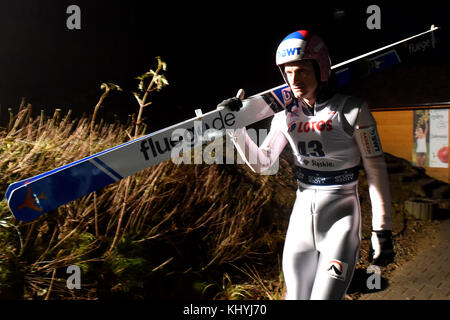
[(323, 237)]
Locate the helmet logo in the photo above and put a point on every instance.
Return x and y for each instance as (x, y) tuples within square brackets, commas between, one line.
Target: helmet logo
[(289, 52)]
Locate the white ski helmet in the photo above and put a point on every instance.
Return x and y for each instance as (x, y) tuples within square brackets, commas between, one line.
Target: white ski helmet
[(302, 45)]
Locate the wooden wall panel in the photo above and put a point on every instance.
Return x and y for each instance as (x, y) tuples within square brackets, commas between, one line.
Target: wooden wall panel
[(395, 128)]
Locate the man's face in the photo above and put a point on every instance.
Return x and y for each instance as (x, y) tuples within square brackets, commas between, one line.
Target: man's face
[(302, 79)]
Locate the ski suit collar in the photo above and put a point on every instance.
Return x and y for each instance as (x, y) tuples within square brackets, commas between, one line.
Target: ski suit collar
[(318, 105)]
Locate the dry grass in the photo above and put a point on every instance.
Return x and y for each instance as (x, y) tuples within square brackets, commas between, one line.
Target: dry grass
[(164, 221)]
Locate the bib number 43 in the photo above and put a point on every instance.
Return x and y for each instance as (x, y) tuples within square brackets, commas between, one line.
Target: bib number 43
[(313, 148)]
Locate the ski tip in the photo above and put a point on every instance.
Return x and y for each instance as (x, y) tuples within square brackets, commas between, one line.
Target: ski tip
[(25, 205), (12, 187)]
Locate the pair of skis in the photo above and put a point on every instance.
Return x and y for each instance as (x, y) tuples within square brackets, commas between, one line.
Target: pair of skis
[(30, 198)]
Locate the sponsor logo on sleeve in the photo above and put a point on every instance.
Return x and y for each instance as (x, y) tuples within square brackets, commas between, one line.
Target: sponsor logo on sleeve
[(370, 142)]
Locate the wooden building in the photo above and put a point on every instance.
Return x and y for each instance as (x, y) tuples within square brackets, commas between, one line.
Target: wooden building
[(396, 130)]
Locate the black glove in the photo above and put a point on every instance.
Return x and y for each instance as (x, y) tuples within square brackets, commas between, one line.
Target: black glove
[(381, 251), (234, 104)]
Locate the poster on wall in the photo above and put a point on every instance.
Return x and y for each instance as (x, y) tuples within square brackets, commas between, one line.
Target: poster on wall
[(438, 138), (430, 147), (421, 127)]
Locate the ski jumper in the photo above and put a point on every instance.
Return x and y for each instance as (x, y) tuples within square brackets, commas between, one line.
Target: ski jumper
[(323, 237)]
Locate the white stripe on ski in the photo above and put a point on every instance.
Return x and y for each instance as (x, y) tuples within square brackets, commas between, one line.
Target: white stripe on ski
[(98, 165)]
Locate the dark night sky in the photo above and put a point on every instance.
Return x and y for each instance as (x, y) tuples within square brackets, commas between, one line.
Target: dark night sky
[(211, 49)]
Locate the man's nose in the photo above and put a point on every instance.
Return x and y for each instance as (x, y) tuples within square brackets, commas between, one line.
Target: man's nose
[(296, 78)]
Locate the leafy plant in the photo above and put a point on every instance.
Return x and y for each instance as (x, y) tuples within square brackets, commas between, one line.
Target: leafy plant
[(157, 82)]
